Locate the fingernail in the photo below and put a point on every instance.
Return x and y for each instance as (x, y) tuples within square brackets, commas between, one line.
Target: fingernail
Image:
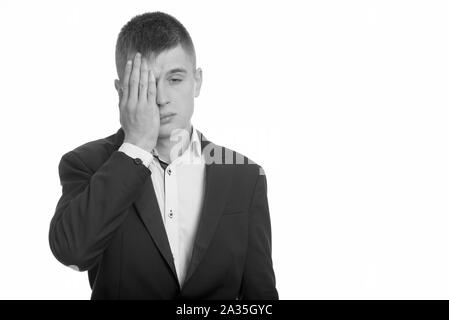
[(128, 62)]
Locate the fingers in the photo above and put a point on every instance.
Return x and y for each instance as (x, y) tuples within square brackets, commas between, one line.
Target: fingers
[(134, 79), (151, 86), (143, 84), (139, 83), (125, 89)]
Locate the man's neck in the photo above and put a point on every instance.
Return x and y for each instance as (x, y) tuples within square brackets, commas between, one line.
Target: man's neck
[(164, 145)]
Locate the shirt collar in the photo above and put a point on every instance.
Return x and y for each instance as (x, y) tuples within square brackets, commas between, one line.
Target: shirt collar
[(195, 143), (194, 146)]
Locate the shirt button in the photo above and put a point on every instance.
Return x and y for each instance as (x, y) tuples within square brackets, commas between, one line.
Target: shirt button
[(169, 171), (170, 214)]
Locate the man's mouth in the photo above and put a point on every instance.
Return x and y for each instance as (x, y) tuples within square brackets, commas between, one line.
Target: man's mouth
[(167, 116)]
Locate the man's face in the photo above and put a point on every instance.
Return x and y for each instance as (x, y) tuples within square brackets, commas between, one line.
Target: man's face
[(177, 84)]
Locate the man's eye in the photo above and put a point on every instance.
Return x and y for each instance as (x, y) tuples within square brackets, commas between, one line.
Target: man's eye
[(175, 80)]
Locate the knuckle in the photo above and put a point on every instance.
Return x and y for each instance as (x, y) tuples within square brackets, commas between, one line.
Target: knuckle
[(132, 103)]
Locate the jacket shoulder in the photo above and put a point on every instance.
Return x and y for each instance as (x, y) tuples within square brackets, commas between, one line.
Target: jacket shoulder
[(240, 162), (94, 153)]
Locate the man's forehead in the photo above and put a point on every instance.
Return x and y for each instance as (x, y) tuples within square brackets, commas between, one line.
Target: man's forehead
[(167, 60)]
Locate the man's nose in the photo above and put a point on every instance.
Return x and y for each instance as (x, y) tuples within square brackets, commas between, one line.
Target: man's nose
[(161, 95)]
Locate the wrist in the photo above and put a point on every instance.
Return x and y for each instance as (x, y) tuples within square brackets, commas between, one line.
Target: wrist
[(145, 145), (135, 152)]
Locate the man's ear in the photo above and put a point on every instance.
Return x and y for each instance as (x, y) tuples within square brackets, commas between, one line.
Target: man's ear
[(118, 88), (117, 84), (198, 81)]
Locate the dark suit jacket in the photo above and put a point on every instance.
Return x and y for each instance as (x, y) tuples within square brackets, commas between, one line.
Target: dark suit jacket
[(108, 222)]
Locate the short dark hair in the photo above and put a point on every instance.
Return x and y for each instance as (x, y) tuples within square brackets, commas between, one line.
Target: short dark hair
[(152, 33)]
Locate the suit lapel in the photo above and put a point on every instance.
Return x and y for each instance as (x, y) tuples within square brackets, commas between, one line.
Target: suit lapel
[(148, 210), (150, 213), (217, 183)]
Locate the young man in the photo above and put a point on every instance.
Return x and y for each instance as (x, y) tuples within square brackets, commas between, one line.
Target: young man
[(157, 211)]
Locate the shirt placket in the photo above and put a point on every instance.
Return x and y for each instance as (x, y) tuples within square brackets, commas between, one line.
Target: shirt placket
[(171, 212)]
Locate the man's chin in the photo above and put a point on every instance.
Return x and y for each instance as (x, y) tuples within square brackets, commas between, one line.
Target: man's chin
[(167, 129)]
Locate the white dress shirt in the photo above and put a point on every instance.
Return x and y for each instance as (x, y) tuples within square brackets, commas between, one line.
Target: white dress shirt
[(179, 191)]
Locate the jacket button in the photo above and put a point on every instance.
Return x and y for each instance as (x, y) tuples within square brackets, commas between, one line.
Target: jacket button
[(137, 161)]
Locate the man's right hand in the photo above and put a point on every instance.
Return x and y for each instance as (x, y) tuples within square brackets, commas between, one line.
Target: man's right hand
[(139, 113)]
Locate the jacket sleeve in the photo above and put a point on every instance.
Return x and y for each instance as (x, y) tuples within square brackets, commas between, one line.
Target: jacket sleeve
[(92, 206), (259, 281)]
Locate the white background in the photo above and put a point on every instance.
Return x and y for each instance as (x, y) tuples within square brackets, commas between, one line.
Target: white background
[(344, 103)]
